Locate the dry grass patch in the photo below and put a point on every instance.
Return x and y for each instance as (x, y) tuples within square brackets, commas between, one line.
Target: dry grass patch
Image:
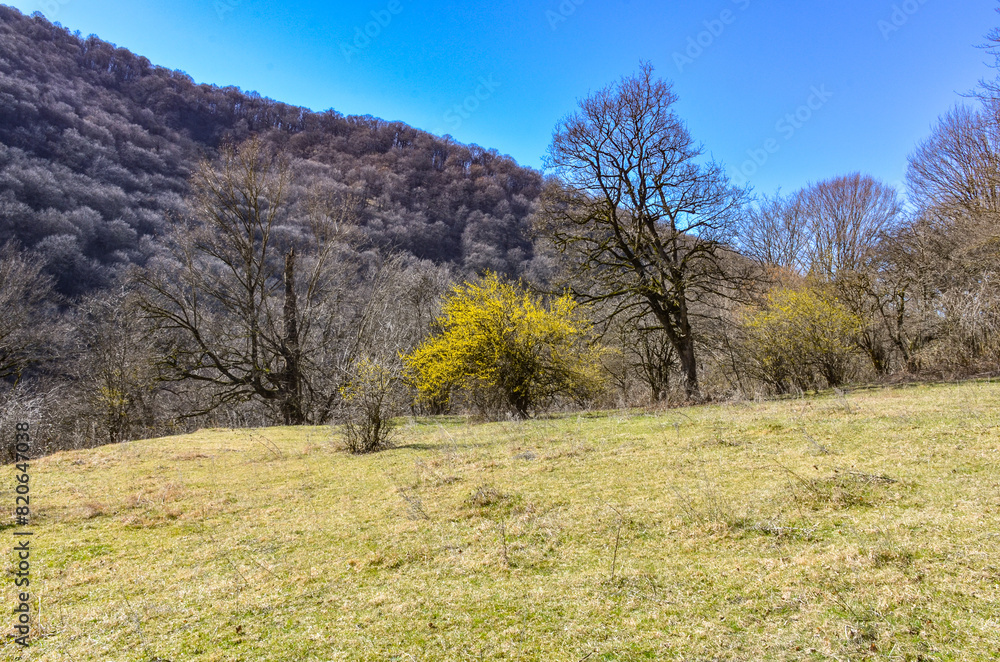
[(716, 533)]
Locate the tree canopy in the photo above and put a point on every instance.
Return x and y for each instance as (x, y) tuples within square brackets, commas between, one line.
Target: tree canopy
[(645, 219)]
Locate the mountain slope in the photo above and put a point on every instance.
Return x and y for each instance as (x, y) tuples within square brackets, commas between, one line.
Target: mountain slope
[(97, 144)]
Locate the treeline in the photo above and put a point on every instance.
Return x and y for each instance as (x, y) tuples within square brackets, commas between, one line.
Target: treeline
[(301, 268)]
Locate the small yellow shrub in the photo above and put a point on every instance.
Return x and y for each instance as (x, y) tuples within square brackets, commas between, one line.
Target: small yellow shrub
[(506, 350), (801, 336)]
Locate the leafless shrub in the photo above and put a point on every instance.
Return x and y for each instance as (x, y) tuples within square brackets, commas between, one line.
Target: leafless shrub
[(370, 401)]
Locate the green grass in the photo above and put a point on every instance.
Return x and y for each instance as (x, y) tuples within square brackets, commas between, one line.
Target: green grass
[(847, 528)]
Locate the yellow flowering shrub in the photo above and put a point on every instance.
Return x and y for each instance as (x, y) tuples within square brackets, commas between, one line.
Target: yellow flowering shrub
[(801, 336), (506, 350)]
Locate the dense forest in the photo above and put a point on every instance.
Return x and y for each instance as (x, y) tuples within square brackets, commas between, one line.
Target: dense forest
[(97, 146), (175, 255)]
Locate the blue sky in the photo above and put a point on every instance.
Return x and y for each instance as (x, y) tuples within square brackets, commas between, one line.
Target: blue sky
[(783, 93)]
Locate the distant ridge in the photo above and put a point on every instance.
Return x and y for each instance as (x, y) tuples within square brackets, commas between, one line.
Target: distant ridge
[(97, 144)]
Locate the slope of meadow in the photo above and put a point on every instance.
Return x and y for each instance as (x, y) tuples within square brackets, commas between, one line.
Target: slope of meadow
[(858, 526)]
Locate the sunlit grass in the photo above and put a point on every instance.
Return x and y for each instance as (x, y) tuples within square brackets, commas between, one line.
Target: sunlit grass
[(840, 527)]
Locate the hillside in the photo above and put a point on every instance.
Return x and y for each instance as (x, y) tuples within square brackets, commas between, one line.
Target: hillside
[(97, 144), (860, 526)]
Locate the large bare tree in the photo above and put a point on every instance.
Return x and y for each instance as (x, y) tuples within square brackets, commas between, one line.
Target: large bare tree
[(241, 319), (846, 216), (955, 173), (643, 217)]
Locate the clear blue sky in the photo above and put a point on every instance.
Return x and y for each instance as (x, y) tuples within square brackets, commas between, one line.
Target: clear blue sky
[(877, 72)]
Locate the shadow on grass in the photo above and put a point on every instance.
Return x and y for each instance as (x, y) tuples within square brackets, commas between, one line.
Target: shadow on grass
[(415, 446)]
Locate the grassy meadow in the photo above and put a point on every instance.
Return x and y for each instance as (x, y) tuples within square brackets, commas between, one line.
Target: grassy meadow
[(848, 526)]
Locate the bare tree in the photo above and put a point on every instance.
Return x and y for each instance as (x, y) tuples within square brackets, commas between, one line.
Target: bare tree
[(832, 232), (989, 90), (775, 233), (24, 327), (954, 180), (641, 215), (825, 229), (242, 322), (649, 354), (373, 391), (846, 217), (955, 173), (115, 365), (849, 217)]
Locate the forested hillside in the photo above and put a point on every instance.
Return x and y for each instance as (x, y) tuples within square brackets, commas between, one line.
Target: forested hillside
[(97, 145)]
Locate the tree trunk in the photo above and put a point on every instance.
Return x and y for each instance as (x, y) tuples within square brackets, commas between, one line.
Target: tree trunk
[(689, 367), (878, 356), (678, 329), (291, 383)]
